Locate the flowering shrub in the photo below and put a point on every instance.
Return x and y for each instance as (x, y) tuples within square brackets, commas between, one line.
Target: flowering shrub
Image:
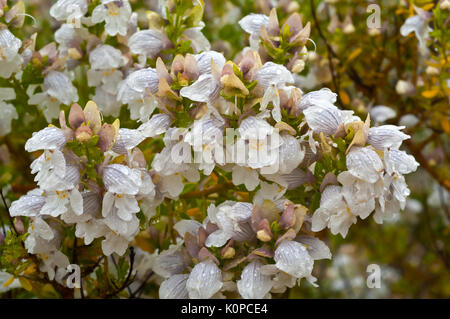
[(163, 168)]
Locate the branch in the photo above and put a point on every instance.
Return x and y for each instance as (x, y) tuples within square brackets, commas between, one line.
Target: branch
[(207, 191)]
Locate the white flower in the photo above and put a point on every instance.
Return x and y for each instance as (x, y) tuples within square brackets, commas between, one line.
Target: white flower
[(232, 219), (252, 24), (56, 202), (204, 281), (206, 138), (204, 61), (205, 89), (124, 206), (115, 13), (291, 154), (257, 145), (158, 124), (381, 113), (199, 42), (358, 194), (323, 117), (187, 226), (29, 204), (51, 261), (126, 140), (386, 136), (364, 163), (271, 78), (10, 59), (174, 287), (147, 43), (294, 259), (4, 279), (417, 24), (315, 98), (106, 101), (170, 262), (64, 9), (316, 248), (404, 88), (398, 162), (333, 212), (272, 192), (254, 284), (90, 229), (245, 175), (137, 91), (58, 89), (114, 243), (7, 110), (106, 57), (121, 179)]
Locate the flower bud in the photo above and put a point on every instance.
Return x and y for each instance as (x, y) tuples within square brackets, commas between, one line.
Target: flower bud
[(83, 133), (76, 116), (106, 137), (264, 233), (92, 116), (228, 252), (298, 66)]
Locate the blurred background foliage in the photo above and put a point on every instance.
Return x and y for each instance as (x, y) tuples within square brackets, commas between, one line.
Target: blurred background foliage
[(364, 67)]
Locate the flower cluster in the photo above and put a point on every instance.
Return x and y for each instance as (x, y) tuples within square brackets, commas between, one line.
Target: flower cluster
[(283, 164)]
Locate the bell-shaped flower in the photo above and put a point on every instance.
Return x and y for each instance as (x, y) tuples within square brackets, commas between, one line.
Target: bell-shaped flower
[(57, 89), (358, 194), (254, 284), (382, 113), (245, 175), (147, 43), (204, 281), (316, 248), (174, 287), (156, 125), (115, 13), (271, 78), (323, 118), (206, 139), (232, 219), (118, 243), (204, 61), (398, 162), (7, 110), (65, 9), (315, 98), (121, 179), (198, 40), (170, 262), (137, 91), (124, 206), (28, 205), (294, 259), (364, 163), (386, 136), (205, 89), (10, 59), (419, 25), (252, 24), (333, 212)]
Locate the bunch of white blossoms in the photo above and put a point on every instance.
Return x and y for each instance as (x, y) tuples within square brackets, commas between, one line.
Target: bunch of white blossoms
[(290, 163), (88, 176)]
